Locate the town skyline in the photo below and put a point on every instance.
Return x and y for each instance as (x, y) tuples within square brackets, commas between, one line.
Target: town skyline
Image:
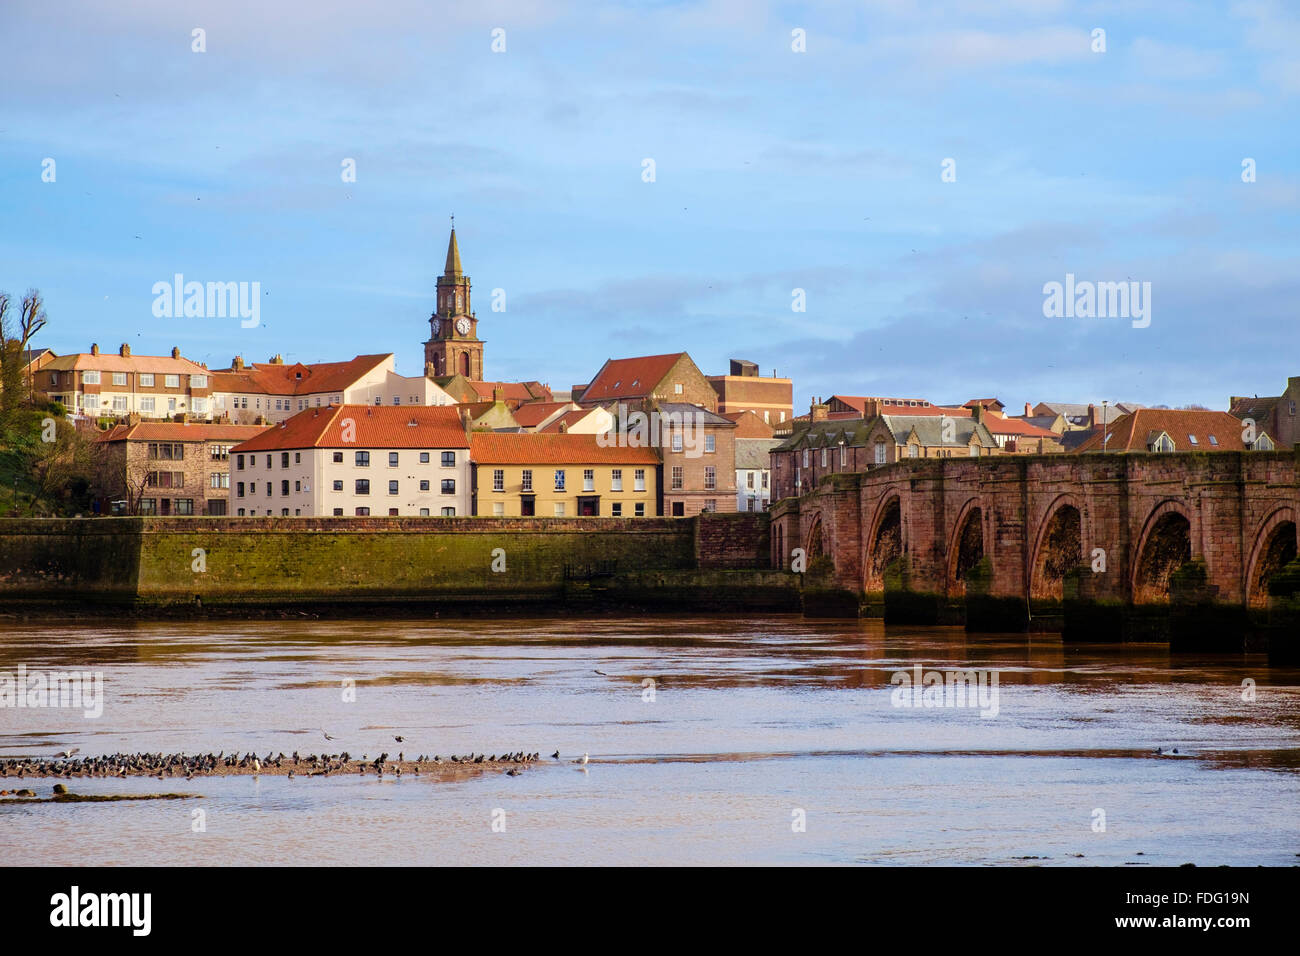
[(772, 174)]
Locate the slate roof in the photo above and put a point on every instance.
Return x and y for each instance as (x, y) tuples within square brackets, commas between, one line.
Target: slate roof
[(755, 453)]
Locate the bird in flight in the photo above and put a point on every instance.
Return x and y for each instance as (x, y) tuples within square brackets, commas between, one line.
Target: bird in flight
[(399, 739), (327, 736)]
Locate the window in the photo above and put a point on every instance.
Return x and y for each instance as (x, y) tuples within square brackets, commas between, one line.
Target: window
[(823, 457), (424, 457), (338, 484), (449, 459), (297, 458), (183, 506), (338, 457), (638, 480), (797, 479), (397, 399), (677, 477), (559, 509), (392, 487), (171, 381), (90, 377), (166, 451), (616, 509), (424, 484), (338, 512), (284, 459), (146, 379), (805, 457), (119, 378), (240, 512), (424, 512), (498, 479), (588, 479), (974, 451), (362, 512), (220, 452), (559, 479), (362, 459), (749, 479), (710, 504), (379, 399), (119, 403), (198, 381), (148, 404), (392, 459), (1163, 443), (677, 440), (913, 451), (709, 443), (297, 486), (219, 479), (199, 405), (268, 461), (527, 506), (268, 491), (842, 455), (639, 509), (526, 480), (148, 506), (764, 481), (449, 512), (363, 486), (449, 486), (677, 388), (239, 489), (1192, 439), (710, 478), (616, 480), (284, 512), (1214, 441)]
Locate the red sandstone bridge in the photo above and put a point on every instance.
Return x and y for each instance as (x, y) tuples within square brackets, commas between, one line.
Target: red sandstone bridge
[(1028, 535)]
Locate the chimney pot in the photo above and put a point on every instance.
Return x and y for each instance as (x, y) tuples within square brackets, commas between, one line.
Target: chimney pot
[(94, 349), (1028, 411), (124, 351), (176, 352)]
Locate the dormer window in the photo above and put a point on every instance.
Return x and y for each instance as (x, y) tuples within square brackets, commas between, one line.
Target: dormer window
[(1214, 441), (1192, 439), (1163, 443)]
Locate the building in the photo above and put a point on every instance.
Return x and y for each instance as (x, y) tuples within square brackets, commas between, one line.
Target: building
[(1018, 435), (754, 473), (744, 390), (454, 347), (561, 476), (355, 460), (168, 468), (1277, 416), (98, 385), (647, 380), (581, 421), (273, 391), (467, 391), (698, 448), (534, 416), (1169, 430)]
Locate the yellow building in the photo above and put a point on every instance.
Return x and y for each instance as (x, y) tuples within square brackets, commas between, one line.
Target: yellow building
[(561, 476)]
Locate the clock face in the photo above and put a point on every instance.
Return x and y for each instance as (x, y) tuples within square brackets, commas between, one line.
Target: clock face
[(437, 326), (462, 326)]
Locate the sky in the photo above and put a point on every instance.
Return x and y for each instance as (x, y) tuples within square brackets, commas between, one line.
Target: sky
[(920, 170)]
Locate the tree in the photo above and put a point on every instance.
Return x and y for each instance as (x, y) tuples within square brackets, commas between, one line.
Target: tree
[(14, 342), (31, 319)]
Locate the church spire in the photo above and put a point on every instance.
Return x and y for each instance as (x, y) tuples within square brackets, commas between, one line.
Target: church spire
[(452, 267)]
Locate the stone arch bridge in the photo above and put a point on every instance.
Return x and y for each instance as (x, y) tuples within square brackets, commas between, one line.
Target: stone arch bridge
[(1087, 543)]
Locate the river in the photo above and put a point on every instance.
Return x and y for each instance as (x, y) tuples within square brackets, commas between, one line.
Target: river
[(774, 741)]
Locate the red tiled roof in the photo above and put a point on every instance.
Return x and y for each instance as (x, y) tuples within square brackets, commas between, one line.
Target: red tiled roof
[(372, 426), (514, 391), (630, 377), (533, 414), (1131, 432), (112, 362), (568, 419), (276, 379), (525, 448), (179, 431), (1001, 425)]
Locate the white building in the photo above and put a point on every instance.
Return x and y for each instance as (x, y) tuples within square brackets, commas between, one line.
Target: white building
[(355, 460), (274, 391), (754, 473)]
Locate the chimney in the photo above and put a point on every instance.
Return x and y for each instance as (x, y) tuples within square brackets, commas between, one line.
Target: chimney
[(124, 351), (428, 370), (871, 408), (1028, 411), (277, 359), (818, 412), (94, 349), (977, 412), (237, 363), (564, 428), (498, 394), (1092, 415), (176, 352)]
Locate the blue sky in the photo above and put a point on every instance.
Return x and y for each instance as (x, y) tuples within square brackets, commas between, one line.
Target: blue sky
[(774, 170)]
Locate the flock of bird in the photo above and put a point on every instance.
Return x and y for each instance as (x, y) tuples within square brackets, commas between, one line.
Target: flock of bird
[(160, 765)]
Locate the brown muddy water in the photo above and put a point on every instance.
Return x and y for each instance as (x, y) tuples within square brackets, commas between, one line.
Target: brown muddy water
[(712, 740)]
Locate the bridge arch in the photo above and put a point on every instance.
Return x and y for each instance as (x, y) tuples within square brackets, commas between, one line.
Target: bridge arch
[(885, 541), (815, 545), (1164, 546), (966, 544), (1058, 548), (1275, 545)]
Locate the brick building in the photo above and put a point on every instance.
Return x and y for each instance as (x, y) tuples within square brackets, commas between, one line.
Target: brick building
[(1170, 430), (168, 468), (1277, 416), (647, 380), (770, 398), (97, 384)]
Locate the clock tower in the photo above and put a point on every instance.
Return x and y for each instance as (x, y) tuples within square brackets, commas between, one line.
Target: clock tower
[(453, 347)]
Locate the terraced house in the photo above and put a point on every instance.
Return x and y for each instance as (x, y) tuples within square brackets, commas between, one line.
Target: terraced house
[(355, 460), (156, 387), (524, 474)]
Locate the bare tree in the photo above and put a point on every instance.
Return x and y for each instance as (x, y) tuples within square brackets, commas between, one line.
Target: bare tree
[(31, 319)]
